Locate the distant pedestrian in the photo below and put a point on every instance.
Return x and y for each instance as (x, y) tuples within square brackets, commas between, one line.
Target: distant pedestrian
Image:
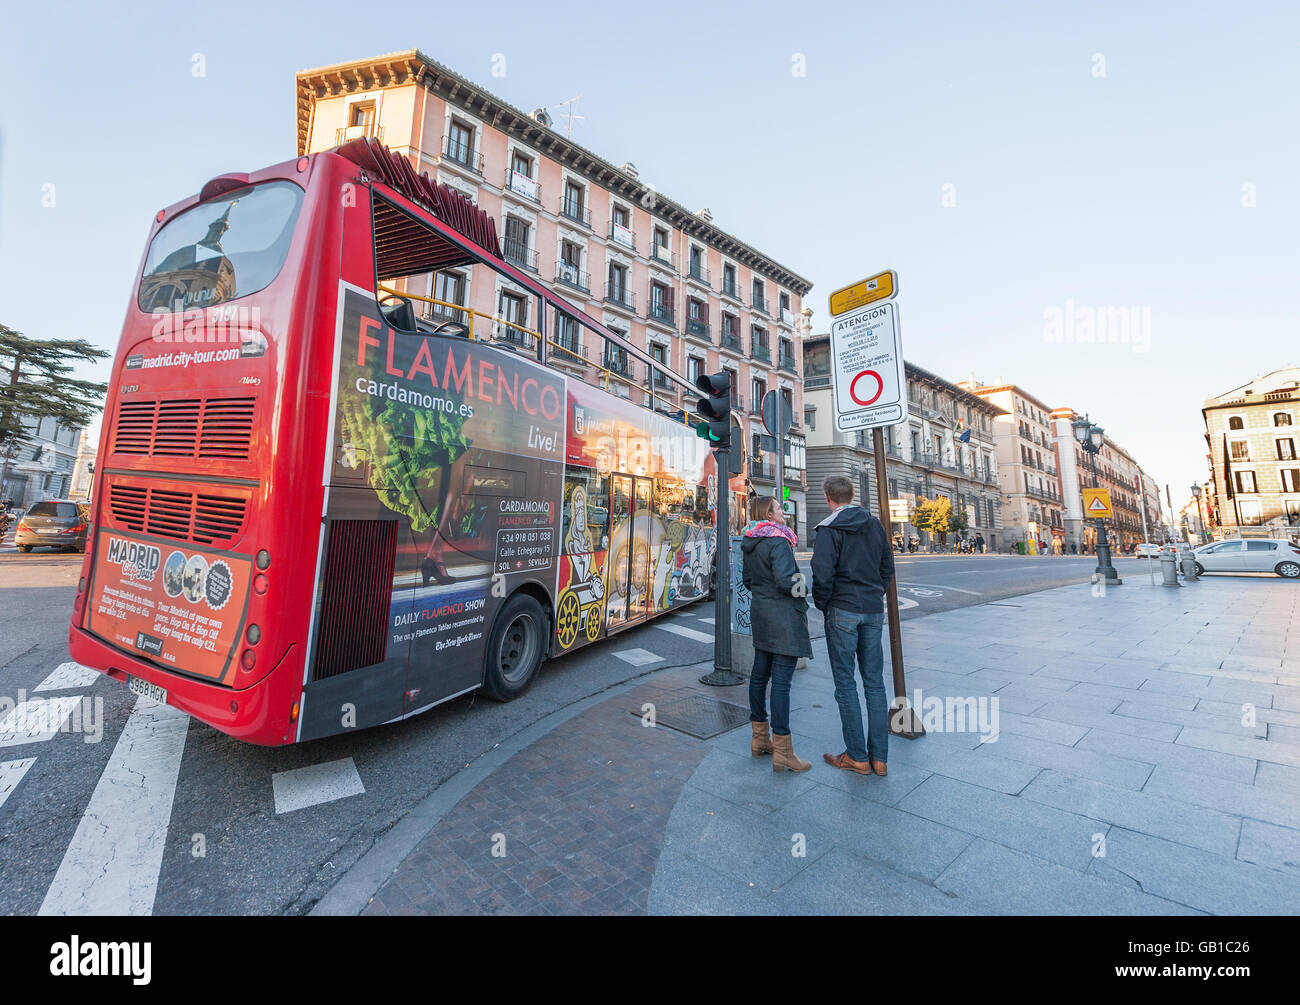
[(1074, 548), (979, 543), (779, 619), (852, 567)]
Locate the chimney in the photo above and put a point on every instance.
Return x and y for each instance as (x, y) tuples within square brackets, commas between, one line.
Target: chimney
[(629, 169), (704, 214), (540, 116)]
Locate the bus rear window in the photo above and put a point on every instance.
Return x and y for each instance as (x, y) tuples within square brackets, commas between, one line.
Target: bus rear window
[(219, 250)]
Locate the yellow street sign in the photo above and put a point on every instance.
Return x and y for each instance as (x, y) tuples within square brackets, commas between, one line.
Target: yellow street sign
[(1096, 503), (881, 286)]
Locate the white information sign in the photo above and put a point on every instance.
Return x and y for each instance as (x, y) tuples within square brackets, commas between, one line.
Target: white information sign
[(867, 350)]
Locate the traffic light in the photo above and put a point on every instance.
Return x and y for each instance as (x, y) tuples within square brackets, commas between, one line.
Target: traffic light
[(715, 409)]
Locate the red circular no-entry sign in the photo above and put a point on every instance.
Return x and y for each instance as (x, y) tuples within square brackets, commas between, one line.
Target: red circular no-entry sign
[(853, 387)]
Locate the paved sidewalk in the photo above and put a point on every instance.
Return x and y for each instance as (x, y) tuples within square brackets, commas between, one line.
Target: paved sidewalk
[(1147, 761)]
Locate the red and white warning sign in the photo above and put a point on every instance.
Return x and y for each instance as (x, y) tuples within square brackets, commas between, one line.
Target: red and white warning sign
[(868, 373)]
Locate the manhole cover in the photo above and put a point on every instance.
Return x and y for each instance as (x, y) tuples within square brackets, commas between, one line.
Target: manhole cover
[(698, 716)]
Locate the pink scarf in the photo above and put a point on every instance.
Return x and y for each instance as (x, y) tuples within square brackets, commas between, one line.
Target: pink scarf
[(770, 528)]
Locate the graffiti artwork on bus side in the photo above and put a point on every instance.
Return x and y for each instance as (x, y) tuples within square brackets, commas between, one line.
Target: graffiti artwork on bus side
[(580, 612)]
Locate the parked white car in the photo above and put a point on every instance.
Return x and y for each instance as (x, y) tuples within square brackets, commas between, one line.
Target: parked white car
[(1281, 557)]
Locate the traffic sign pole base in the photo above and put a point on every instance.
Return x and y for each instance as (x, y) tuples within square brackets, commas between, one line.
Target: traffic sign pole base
[(904, 722), (723, 678)]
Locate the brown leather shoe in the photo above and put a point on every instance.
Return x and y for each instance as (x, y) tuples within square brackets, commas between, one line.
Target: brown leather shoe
[(845, 762), (761, 742), (879, 767), (783, 756)]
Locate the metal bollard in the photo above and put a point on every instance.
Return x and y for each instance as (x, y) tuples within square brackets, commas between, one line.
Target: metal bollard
[(1169, 569), (1188, 562)]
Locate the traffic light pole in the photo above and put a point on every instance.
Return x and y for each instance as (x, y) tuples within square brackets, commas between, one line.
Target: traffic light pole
[(903, 720), (722, 675)]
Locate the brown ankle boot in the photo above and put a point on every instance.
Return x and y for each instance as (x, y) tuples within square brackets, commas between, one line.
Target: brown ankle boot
[(761, 742), (783, 755)]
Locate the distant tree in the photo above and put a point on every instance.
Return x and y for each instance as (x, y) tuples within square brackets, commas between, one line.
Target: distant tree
[(39, 386), (958, 523), (933, 515)]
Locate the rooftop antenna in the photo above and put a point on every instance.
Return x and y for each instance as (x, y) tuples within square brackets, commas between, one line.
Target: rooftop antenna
[(568, 113)]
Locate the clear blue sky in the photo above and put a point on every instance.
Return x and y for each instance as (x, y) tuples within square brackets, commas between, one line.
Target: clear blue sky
[(1122, 191)]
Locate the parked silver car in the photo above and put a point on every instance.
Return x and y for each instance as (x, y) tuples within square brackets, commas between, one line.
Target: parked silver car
[(53, 523), (1281, 557)]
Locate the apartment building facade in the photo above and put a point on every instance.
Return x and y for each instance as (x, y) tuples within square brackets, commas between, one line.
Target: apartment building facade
[(927, 457), (1029, 479), (1251, 441), (669, 280)]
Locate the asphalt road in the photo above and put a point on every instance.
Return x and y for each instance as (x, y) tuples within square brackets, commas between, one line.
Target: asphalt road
[(224, 848)]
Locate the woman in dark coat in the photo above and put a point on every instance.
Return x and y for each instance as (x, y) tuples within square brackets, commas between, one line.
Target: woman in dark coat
[(778, 617)]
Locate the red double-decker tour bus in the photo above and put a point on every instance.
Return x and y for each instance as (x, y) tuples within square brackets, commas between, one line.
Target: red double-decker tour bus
[(332, 494)]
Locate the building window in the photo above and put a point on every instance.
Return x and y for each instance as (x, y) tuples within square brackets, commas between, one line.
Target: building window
[(729, 280), (758, 299), (515, 244), (363, 116), (1281, 418), (1245, 481), (621, 217), (520, 164), (810, 420), (659, 245), (758, 389), (1286, 450), (1235, 422), (1251, 513), (1291, 479), (512, 309), (566, 333), (1240, 450), (617, 283), (573, 201), (460, 142), (1293, 511), (694, 368)]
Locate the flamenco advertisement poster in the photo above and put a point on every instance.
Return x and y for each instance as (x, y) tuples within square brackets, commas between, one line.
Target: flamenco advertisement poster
[(179, 607), (464, 442)]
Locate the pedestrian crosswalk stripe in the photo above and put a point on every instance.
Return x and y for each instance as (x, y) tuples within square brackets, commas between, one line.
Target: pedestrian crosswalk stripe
[(11, 773), (639, 657), (36, 720), (66, 676), (707, 621), (314, 784), (112, 864), (682, 630)]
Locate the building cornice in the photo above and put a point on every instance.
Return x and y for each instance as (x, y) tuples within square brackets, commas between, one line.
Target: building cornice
[(412, 67)]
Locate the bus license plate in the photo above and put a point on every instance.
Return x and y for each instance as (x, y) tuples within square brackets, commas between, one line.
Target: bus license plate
[(143, 687)]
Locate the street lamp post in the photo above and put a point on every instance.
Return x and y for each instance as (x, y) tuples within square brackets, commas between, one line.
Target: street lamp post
[(1200, 519), (1090, 438)]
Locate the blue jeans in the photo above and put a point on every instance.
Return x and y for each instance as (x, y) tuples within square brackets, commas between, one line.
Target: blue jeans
[(780, 671), (854, 637)]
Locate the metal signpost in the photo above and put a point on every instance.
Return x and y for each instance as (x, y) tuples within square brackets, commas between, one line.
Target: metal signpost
[(777, 420), (870, 392)]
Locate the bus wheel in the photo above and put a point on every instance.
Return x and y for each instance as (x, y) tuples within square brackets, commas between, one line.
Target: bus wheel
[(515, 649)]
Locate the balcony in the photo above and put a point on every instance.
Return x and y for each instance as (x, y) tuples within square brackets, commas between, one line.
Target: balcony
[(731, 342), (729, 289), (346, 134), (621, 235), (762, 470), (522, 184), (662, 383), (620, 296), (567, 350), (786, 316), (759, 306), (572, 276), (662, 313), (698, 273), (756, 406), (789, 364), (661, 255), (617, 364), (697, 328), (761, 352), (463, 154), (516, 253), (576, 213)]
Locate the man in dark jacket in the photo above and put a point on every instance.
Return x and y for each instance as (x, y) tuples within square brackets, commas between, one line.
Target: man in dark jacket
[(852, 565)]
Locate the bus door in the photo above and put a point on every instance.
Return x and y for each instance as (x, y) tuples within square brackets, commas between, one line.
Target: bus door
[(630, 582)]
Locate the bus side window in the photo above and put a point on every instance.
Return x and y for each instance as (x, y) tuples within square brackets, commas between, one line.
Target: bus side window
[(588, 530)]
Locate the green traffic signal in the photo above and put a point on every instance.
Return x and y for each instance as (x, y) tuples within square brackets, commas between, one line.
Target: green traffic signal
[(704, 432)]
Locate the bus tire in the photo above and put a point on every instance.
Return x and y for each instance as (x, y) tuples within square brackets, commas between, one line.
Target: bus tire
[(515, 648)]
